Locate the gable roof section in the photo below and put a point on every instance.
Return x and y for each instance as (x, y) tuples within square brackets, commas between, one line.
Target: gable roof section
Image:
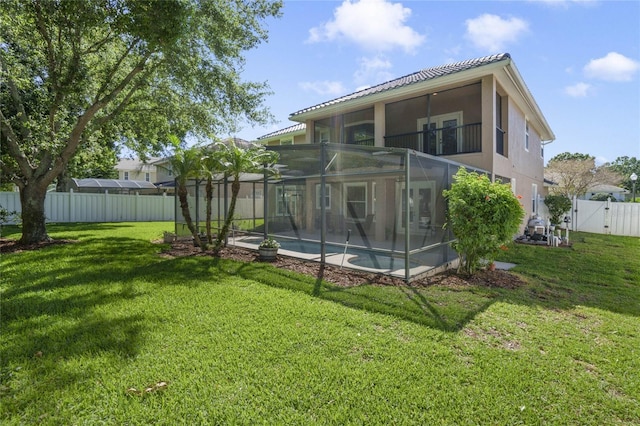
[(300, 127), (417, 77)]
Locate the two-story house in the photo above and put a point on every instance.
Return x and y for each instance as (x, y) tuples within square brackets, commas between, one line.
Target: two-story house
[(477, 112), (365, 172)]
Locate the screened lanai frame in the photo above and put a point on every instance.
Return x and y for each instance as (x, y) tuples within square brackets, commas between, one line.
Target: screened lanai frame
[(346, 205)]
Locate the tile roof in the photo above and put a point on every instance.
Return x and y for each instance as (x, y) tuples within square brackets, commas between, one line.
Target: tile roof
[(291, 129), (417, 77)]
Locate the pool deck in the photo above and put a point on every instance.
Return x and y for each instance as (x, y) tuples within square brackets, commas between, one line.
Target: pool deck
[(341, 260)]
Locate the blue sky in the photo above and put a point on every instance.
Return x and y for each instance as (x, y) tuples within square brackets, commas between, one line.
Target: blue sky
[(580, 59)]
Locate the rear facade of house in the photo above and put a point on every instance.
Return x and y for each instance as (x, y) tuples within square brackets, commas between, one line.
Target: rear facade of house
[(478, 113)]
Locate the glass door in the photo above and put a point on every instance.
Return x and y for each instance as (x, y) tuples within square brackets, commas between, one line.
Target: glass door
[(442, 135)]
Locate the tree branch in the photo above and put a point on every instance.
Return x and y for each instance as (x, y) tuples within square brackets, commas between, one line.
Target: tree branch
[(83, 120), (14, 146)]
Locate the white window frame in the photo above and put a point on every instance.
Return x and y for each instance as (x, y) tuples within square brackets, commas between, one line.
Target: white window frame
[(534, 198), (365, 201), (291, 191), (327, 197), (147, 176), (126, 176), (526, 135)]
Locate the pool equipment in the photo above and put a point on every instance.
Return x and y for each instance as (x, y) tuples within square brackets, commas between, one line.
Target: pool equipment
[(345, 247)]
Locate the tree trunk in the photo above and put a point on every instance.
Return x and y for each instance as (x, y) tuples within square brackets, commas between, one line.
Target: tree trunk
[(235, 189), (209, 195), (32, 197), (63, 182), (184, 206)]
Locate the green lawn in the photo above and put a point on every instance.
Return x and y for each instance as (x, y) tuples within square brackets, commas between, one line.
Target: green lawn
[(84, 323)]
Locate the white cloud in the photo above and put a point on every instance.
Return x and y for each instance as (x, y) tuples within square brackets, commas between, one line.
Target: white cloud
[(328, 88), (613, 67), (492, 33), (578, 90), (372, 24), (372, 71)]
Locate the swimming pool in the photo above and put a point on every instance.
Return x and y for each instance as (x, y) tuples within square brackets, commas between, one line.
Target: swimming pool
[(358, 257)]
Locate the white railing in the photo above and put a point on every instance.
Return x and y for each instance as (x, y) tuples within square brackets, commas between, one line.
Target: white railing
[(64, 207)]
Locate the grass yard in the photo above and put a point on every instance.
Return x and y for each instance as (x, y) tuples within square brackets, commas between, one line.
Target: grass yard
[(88, 326)]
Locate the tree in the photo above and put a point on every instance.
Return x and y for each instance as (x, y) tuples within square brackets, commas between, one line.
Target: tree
[(483, 216), (625, 167), (557, 205), (574, 174), (186, 164), (235, 161), (210, 167), (130, 72)]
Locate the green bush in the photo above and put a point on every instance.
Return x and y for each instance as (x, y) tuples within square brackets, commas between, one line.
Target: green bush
[(557, 205), (483, 217), (602, 196)]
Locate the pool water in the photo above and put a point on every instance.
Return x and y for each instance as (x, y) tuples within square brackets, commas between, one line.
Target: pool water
[(363, 259), (376, 261)]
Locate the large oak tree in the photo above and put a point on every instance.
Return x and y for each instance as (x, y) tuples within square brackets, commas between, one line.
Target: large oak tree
[(112, 73)]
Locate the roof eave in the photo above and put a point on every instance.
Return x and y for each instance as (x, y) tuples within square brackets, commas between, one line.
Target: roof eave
[(431, 85)]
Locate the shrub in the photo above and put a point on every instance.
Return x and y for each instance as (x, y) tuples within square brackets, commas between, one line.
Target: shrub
[(483, 217), (557, 205), (602, 196)]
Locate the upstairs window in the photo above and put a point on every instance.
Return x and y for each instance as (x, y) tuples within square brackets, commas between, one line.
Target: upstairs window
[(526, 136), (126, 175)]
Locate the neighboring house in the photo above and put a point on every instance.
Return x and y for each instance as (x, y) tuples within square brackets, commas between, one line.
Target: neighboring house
[(477, 112), (134, 169), (616, 193)]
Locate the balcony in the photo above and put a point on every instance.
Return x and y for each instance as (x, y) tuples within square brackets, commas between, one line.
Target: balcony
[(445, 141)]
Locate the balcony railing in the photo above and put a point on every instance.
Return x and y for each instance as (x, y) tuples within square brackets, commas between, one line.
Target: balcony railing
[(363, 142), (446, 141)]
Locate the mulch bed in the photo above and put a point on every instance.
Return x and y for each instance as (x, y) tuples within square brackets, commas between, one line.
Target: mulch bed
[(343, 277), (349, 277)]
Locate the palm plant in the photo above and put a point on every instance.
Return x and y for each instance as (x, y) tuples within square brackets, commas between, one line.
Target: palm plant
[(210, 166), (186, 165), (235, 161)]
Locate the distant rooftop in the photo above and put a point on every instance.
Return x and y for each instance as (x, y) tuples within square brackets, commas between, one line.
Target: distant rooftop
[(112, 184)]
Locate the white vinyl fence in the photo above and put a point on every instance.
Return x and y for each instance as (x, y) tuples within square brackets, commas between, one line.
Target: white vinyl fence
[(63, 207), (603, 217)]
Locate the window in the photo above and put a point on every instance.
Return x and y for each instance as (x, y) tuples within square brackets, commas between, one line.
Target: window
[(355, 199), (286, 141), (147, 177), (534, 198), (359, 134), (287, 197), (526, 136), (322, 129), (126, 175), (327, 197)]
